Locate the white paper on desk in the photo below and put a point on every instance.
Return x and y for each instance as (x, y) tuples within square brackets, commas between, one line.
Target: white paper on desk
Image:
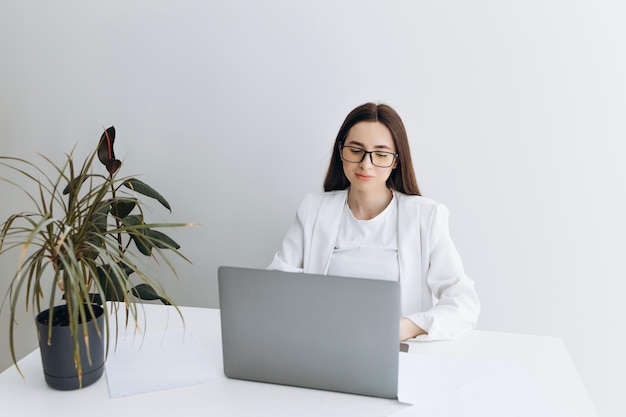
[(469, 388), (156, 361)]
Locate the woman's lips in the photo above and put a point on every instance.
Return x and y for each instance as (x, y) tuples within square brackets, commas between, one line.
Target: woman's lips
[(364, 177)]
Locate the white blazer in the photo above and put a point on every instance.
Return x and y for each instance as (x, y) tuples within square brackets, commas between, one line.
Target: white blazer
[(436, 293)]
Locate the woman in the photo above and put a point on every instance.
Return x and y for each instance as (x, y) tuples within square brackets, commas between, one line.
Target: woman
[(371, 222)]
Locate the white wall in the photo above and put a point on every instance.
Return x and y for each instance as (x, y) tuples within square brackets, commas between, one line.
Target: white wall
[(229, 108)]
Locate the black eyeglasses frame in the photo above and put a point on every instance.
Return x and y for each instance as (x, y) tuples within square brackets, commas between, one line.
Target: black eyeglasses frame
[(341, 146)]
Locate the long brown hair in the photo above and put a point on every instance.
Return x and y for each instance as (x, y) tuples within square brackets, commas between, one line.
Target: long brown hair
[(402, 178)]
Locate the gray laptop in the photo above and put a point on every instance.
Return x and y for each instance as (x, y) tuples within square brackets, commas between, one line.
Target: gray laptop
[(313, 331)]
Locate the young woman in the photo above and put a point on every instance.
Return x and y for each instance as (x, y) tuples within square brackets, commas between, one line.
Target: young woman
[(371, 222)]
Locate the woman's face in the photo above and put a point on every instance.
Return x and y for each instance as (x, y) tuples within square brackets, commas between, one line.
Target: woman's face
[(371, 137)]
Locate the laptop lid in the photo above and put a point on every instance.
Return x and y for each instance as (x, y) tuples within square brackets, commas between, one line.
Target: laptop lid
[(313, 331)]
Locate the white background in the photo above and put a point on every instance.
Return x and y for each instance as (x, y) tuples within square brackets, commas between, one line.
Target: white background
[(515, 112)]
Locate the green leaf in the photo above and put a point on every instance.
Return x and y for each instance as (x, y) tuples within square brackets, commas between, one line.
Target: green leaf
[(134, 220), (99, 220), (76, 183), (122, 207), (146, 292), (142, 244), (143, 188), (96, 227), (161, 240), (137, 234), (111, 283)]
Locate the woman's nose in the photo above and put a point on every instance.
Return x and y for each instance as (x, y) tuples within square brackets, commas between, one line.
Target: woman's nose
[(367, 160)]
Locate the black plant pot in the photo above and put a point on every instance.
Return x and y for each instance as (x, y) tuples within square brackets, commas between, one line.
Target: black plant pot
[(58, 356)]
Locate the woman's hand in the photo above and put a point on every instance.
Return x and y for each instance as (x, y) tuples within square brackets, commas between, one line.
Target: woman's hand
[(409, 330)]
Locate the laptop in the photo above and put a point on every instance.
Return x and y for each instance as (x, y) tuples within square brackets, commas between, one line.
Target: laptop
[(313, 331)]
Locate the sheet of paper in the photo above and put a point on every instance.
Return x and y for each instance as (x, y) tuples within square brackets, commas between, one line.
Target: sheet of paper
[(156, 361), (468, 387)]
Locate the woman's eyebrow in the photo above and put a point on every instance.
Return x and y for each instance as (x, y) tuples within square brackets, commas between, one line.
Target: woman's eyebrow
[(357, 143)]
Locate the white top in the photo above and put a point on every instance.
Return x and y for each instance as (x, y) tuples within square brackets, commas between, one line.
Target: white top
[(435, 292), (367, 248)]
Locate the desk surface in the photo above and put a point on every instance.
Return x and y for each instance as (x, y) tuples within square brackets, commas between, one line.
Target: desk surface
[(545, 358)]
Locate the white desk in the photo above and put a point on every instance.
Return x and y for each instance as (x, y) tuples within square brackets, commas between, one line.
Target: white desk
[(545, 358)]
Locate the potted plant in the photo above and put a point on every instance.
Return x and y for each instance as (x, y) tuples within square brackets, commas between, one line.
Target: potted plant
[(86, 237)]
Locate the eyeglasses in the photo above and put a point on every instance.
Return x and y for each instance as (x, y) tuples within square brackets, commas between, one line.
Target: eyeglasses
[(357, 155)]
